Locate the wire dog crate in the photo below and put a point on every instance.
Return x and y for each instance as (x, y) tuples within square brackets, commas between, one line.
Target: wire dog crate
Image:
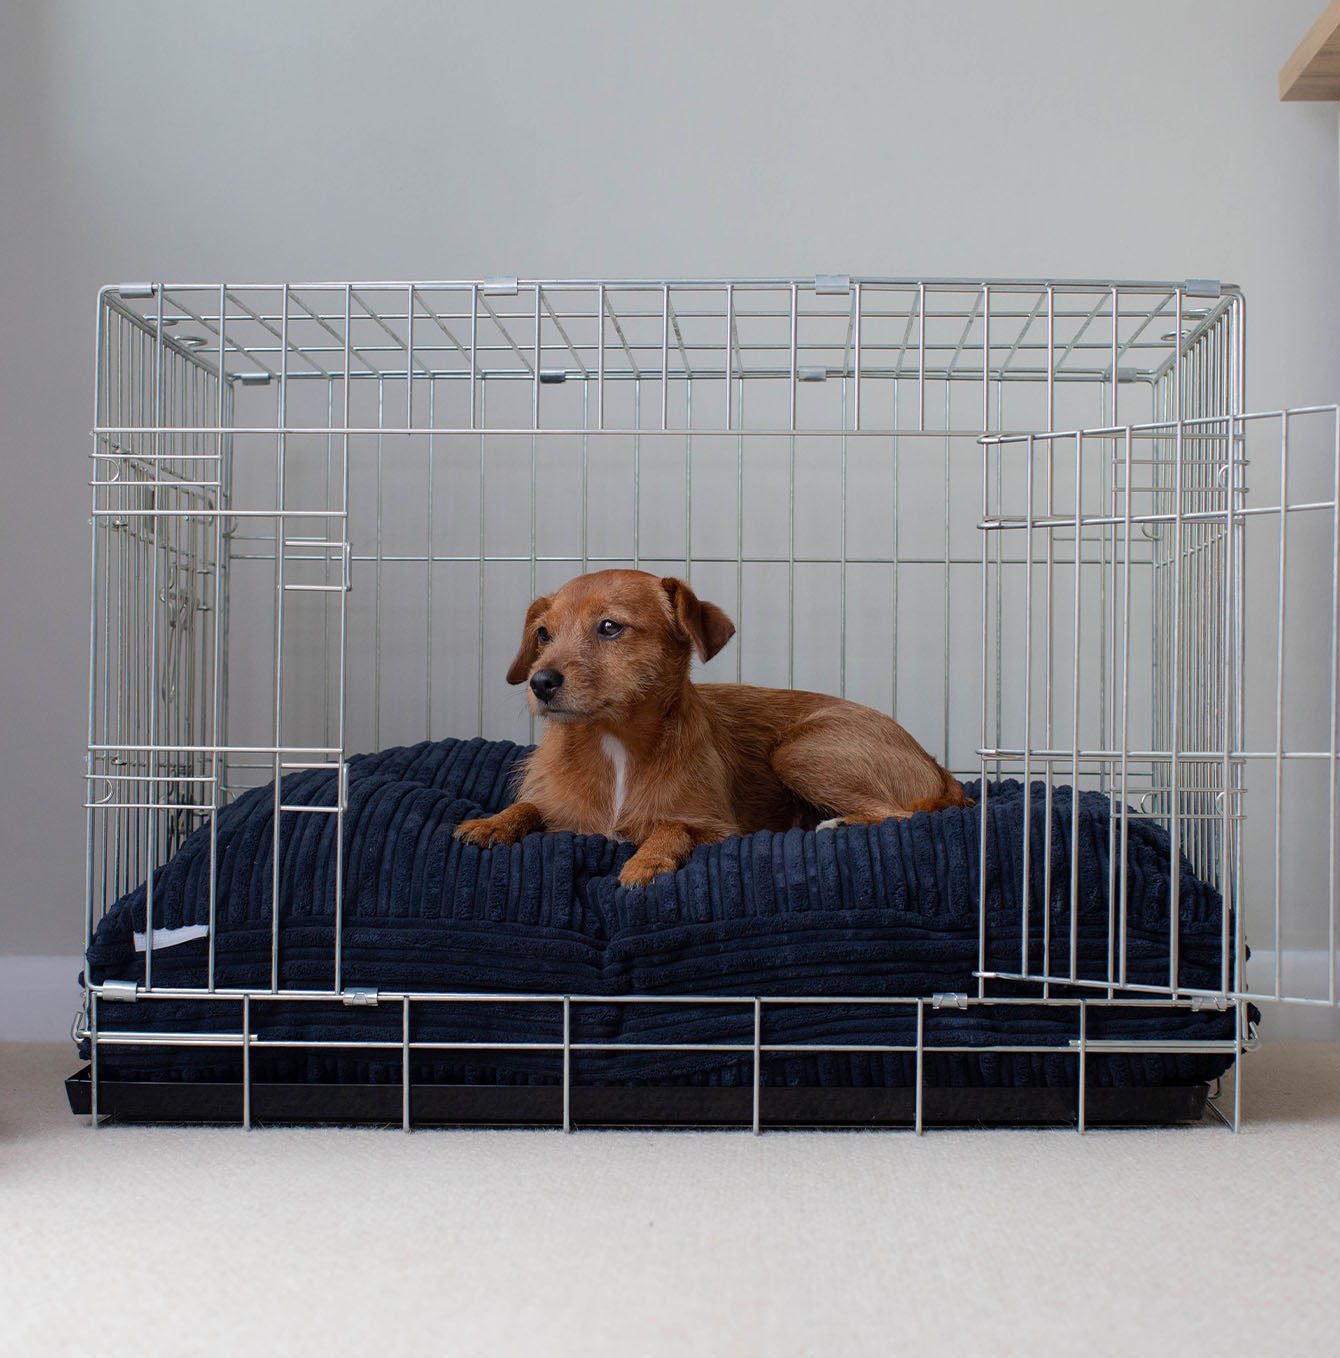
[(319, 512)]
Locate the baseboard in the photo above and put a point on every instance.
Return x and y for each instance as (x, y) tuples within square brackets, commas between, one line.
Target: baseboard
[(40, 995)]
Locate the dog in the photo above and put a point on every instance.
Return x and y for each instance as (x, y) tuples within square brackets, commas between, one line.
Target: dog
[(635, 750)]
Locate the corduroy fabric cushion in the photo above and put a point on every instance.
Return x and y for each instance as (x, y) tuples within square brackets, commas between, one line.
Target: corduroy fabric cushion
[(861, 911)]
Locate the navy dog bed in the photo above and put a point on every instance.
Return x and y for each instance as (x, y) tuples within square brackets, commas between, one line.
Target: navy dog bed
[(860, 911)]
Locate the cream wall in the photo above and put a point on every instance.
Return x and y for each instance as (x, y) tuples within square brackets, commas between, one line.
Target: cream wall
[(264, 141)]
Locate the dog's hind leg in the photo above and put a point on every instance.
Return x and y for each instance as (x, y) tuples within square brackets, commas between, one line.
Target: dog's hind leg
[(858, 766)]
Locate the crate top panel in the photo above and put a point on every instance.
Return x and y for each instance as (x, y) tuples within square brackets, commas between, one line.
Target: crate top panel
[(725, 331)]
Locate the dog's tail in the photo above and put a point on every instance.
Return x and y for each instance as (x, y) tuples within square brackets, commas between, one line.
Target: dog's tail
[(951, 795)]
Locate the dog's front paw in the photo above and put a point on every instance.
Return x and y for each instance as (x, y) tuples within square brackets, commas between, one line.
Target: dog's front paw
[(642, 869), (485, 832), (510, 826)]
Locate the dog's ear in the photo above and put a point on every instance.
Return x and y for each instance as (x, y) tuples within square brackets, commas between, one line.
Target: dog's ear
[(519, 670), (705, 625)]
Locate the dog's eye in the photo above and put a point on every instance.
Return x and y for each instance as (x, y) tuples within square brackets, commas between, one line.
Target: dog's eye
[(610, 628), (542, 636)]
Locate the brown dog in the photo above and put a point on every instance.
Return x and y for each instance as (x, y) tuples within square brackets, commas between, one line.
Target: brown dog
[(632, 749)]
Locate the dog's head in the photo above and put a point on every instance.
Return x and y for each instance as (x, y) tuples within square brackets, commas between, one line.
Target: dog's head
[(607, 643)]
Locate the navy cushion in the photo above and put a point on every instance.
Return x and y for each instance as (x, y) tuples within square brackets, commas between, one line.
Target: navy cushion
[(860, 911)]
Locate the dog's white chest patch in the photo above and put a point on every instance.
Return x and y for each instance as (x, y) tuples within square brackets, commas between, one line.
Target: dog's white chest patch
[(617, 753)]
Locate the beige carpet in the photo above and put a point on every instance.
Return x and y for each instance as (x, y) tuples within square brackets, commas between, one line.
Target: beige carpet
[(163, 1241)]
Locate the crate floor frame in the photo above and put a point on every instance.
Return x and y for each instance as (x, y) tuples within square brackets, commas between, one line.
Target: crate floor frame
[(571, 1103), (434, 1105)]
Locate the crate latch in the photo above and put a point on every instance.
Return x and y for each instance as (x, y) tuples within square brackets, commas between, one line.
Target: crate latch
[(121, 992), (364, 996), (949, 999)]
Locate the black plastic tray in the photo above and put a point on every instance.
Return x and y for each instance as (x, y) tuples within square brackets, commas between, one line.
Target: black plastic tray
[(440, 1105)]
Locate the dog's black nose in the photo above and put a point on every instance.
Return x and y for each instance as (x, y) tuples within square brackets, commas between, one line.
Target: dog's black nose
[(545, 683)]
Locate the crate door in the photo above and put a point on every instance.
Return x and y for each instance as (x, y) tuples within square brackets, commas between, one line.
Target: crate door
[(1159, 660)]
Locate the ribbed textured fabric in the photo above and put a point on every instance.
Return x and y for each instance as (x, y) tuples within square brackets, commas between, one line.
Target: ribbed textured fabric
[(883, 910)]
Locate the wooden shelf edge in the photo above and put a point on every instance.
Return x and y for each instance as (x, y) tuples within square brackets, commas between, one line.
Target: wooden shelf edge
[(1313, 71)]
